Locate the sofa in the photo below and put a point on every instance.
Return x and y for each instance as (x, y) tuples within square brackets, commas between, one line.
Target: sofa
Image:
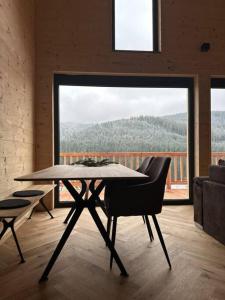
[(209, 202)]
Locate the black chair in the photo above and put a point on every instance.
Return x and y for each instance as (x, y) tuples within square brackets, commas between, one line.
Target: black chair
[(140, 199), (144, 168), (145, 165)]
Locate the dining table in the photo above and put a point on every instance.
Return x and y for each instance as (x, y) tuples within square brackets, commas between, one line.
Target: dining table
[(98, 177)]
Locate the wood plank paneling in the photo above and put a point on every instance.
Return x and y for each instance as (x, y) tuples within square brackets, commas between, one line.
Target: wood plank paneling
[(17, 70)]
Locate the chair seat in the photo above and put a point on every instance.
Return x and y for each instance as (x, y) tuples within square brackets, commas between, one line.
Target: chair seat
[(14, 203), (28, 193)]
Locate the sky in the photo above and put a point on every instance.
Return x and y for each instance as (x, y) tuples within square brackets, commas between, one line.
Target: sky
[(218, 99), (133, 25), (100, 104)]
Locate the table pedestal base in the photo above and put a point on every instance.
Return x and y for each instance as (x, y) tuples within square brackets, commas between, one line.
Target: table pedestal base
[(80, 205)]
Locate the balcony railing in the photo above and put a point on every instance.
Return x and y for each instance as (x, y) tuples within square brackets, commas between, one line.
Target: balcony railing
[(178, 173)]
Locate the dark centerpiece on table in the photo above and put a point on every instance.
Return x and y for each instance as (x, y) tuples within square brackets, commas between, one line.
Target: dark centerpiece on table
[(90, 162)]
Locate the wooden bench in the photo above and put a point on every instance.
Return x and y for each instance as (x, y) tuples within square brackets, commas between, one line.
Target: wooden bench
[(9, 217)]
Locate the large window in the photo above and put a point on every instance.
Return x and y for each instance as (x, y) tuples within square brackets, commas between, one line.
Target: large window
[(135, 25), (125, 119), (217, 120)]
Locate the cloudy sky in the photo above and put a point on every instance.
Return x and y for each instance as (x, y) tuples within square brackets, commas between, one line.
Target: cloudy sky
[(133, 25), (218, 99), (99, 104)]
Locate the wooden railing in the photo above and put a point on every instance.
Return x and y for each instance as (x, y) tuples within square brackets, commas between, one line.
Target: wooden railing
[(178, 173)]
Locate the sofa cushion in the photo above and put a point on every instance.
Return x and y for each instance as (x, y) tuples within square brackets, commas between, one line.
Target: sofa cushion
[(199, 180), (221, 162), (197, 198), (217, 174), (214, 210)]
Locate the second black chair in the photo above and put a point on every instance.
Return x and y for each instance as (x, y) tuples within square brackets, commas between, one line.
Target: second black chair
[(144, 168), (139, 199)]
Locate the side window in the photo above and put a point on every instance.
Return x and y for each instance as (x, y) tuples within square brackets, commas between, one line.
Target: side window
[(135, 25), (217, 120)]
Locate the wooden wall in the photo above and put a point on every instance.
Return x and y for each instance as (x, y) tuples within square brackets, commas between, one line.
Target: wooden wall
[(17, 70), (76, 37)]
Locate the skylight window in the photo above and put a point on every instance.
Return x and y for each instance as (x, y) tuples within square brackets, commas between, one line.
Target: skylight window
[(135, 25)]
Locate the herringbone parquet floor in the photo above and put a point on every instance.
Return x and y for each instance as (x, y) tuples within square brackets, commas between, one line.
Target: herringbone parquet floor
[(82, 270)]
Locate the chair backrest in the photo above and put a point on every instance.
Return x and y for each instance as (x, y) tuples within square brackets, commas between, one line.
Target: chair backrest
[(158, 169), (157, 175), (145, 165), (141, 198)]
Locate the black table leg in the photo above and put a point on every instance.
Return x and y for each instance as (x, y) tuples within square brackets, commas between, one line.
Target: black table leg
[(108, 242), (73, 208), (62, 242), (93, 190), (74, 194), (80, 204)]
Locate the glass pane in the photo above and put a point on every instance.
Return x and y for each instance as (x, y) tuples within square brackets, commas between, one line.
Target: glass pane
[(133, 25), (218, 124), (125, 125)]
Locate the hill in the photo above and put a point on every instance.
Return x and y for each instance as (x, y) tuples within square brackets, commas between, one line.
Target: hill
[(142, 133)]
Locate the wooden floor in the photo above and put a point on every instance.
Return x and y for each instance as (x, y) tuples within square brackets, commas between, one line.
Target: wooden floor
[(82, 271)]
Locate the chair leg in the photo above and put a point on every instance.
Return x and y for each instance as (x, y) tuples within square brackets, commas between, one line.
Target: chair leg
[(143, 217), (161, 239), (109, 222), (149, 228), (113, 238)]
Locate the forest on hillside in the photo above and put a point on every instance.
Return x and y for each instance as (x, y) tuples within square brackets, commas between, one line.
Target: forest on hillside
[(139, 134)]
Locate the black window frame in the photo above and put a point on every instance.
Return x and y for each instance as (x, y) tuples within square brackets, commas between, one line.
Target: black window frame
[(217, 83), (127, 81), (155, 38)]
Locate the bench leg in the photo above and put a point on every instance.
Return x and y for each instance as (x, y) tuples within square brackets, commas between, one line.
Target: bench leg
[(7, 225), (31, 213), (18, 245), (45, 207)]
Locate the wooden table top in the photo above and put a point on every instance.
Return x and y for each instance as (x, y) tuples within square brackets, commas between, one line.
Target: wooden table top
[(66, 172)]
